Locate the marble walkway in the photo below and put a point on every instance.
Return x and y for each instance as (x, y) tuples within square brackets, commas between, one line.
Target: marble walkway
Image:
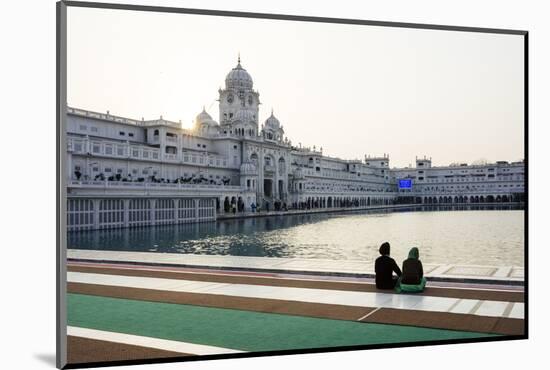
[(348, 298), (505, 275)]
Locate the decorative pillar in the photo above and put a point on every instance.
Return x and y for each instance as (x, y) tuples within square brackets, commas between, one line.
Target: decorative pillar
[(152, 214), (196, 204), (70, 166), (126, 216), (95, 203), (275, 183), (87, 148), (261, 165), (214, 208)]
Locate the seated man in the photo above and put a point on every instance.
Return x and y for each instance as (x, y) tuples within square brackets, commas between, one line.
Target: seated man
[(412, 280), (384, 267)]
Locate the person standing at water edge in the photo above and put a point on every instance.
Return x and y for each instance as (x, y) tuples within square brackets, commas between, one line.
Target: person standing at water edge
[(413, 279), (384, 267)]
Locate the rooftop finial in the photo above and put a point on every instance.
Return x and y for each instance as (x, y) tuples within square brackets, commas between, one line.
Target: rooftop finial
[(239, 58), (271, 111)]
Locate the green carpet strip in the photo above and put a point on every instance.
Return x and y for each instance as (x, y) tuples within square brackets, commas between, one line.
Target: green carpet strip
[(236, 329)]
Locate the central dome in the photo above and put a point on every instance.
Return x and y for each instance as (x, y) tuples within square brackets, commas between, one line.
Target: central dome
[(238, 78)]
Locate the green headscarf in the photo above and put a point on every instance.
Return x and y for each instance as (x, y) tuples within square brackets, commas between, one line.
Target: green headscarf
[(413, 253)]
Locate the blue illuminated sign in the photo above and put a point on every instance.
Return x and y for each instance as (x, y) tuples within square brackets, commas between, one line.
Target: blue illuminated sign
[(405, 184)]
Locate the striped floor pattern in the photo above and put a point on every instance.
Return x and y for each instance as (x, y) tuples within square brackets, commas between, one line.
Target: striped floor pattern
[(348, 298), (162, 344), (179, 313)]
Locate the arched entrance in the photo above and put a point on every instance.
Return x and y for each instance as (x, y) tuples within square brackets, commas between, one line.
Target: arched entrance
[(268, 188)]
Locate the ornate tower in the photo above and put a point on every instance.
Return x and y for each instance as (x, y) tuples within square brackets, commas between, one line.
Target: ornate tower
[(239, 103)]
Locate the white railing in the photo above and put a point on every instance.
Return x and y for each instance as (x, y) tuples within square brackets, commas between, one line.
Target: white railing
[(148, 185), (109, 117), (171, 157), (344, 176), (210, 160), (366, 192), (462, 192)]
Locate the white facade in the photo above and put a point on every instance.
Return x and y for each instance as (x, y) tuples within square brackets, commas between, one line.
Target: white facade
[(143, 172), (462, 183)]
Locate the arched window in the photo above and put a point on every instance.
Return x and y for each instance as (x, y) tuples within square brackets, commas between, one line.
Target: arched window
[(281, 165), (254, 158)]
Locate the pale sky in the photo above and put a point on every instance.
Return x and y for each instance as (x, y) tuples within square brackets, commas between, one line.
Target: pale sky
[(353, 90)]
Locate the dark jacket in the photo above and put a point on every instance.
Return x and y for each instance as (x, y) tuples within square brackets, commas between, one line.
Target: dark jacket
[(384, 266), (412, 271)]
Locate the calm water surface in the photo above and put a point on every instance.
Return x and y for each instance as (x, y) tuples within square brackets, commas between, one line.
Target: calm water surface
[(473, 237)]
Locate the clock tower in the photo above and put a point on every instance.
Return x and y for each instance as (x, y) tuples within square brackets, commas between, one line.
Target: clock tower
[(239, 103)]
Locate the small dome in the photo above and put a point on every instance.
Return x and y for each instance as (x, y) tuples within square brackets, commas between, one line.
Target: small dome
[(272, 121), (238, 78), (248, 168), (245, 116), (204, 118)]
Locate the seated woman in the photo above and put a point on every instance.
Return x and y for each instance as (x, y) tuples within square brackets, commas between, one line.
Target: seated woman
[(412, 280)]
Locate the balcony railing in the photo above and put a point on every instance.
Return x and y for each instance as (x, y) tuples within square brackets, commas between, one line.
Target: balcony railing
[(147, 153), (365, 192), (463, 192), (147, 185)]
